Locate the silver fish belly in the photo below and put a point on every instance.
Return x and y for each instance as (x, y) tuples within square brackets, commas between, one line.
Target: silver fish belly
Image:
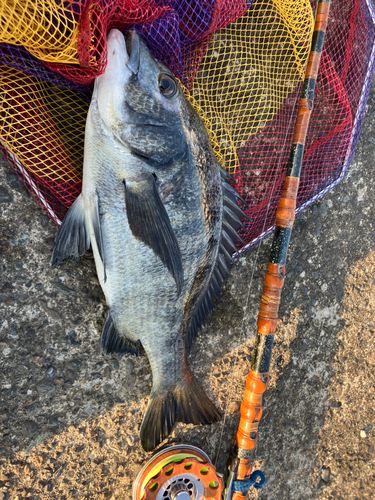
[(161, 220)]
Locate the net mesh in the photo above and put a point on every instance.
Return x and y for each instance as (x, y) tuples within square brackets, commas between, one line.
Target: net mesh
[(47, 30), (241, 65), (343, 84), (249, 69), (42, 131)]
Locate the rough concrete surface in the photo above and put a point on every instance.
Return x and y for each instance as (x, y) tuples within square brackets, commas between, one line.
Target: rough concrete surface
[(70, 417)]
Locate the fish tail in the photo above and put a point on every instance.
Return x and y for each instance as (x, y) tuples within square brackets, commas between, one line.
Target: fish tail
[(185, 402)]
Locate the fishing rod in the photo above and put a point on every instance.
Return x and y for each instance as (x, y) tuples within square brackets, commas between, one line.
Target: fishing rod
[(184, 472)]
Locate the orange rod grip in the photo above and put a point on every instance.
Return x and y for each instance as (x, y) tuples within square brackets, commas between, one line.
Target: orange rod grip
[(270, 302), (321, 21), (302, 123), (312, 67), (286, 210), (238, 496), (251, 412), (245, 468), (321, 18)]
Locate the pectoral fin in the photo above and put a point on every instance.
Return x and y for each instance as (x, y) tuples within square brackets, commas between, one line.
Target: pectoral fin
[(72, 239), (149, 222), (95, 219)]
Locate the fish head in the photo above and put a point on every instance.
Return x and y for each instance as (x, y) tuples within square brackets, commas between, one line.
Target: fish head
[(140, 103)]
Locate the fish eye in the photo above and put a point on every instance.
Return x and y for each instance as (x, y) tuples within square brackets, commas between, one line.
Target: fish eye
[(167, 86)]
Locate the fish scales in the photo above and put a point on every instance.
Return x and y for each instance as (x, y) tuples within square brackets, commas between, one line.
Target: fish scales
[(152, 208)]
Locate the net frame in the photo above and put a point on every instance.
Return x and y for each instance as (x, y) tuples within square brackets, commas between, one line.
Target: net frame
[(354, 106)]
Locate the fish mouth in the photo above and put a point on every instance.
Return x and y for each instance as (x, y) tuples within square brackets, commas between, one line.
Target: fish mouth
[(129, 47), (133, 50)]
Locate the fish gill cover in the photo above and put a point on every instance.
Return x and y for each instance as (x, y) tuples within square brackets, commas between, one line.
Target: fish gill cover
[(241, 65)]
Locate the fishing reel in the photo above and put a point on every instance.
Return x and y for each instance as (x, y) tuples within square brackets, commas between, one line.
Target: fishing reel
[(180, 472)]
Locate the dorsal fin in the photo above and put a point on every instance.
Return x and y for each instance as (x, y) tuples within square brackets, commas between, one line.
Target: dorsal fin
[(232, 215)]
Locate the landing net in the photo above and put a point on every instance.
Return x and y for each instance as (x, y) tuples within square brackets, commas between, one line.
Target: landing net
[(241, 65)]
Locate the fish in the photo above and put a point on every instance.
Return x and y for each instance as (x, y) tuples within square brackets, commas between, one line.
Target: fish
[(162, 220)]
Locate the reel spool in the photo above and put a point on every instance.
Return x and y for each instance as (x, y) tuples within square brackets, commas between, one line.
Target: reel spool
[(181, 472)]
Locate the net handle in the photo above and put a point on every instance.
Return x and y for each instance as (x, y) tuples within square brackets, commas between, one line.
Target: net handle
[(241, 460)]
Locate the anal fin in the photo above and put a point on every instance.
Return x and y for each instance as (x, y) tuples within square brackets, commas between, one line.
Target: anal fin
[(111, 341)]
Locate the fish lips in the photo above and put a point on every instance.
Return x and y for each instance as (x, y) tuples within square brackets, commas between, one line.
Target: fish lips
[(127, 47), (133, 50), (123, 59), (109, 87)]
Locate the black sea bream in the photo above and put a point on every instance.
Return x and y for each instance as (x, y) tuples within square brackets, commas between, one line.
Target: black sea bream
[(161, 219)]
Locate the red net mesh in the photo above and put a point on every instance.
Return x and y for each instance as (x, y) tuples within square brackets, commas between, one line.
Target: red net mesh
[(176, 31), (44, 103), (342, 89), (39, 137)]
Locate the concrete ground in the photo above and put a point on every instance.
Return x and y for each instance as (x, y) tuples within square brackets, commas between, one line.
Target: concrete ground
[(70, 417)]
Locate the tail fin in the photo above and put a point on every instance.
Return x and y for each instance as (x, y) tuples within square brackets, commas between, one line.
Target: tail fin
[(186, 402)]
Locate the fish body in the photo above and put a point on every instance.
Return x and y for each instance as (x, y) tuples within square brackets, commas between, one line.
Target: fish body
[(156, 211)]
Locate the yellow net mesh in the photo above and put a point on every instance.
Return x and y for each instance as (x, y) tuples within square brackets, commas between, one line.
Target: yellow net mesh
[(42, 125), (206, 122), (249, 70), (46, 30), (246, 75)]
